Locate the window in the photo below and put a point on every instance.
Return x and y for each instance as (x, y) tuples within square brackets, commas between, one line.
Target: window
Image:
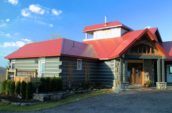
[(170, 69), (12, 65), (79, 64)]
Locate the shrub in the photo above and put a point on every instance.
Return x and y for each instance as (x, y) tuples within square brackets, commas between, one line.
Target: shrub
[(148, 83), (8, 87), (50, 84), (11, 88), (29, 90), (4, 83), (23, 90), (18, 88)]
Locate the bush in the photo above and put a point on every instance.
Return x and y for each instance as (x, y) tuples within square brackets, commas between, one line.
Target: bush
[(11, 88), (4, 83), (29, 90), (50, 84), (148, 83), (8, 87), (18, 88), (23, 90)]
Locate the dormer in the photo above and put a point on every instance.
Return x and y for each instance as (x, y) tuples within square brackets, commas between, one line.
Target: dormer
[(105, 30)]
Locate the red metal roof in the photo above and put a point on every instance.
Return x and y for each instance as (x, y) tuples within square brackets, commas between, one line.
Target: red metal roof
[(168, 48), (104, 25), (102, 49), (55, 47), (115, 47)]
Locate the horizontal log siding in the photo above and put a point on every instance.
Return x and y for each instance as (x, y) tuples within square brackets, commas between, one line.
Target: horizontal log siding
[(26, 64), (74, 77), (52, 67), (108, 71)]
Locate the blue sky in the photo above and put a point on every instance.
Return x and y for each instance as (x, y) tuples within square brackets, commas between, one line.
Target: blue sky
[(25, 21)]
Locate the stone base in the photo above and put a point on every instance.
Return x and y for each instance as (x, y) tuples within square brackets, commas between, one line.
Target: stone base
[(161, 85), (124, 85)]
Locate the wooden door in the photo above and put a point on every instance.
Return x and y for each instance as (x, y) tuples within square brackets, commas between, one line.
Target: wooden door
[(136, 70)]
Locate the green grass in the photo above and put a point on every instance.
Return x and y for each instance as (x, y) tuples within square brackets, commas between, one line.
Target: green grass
[(47, 105)]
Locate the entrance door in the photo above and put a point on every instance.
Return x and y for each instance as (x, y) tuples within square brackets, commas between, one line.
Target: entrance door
[(135, 70)]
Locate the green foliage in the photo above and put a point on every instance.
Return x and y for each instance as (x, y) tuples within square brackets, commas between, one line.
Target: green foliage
[(50, 84), (29, 90), (23, 90), (8, 87), (148, 83), (17, 88), (4, 83), (11, 88)]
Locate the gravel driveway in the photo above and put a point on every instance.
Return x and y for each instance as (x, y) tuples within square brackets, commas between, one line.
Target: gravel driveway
[(126, 102)]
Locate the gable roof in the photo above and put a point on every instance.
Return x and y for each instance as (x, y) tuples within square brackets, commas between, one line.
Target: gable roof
[(115, 47), (155, 31), (102, 49), (55, 47), (105, 25)]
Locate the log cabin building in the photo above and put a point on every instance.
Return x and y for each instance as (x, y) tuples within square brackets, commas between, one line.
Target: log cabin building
[(111, 54)]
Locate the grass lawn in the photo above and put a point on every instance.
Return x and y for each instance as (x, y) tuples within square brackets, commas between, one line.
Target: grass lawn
[(47, 105)]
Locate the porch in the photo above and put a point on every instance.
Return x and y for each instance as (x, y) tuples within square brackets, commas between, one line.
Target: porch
[(20, 75), (139, 70)]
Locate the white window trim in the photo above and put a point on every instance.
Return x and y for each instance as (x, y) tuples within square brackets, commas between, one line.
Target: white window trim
[(12, 63), (79, 64), (41, 61)]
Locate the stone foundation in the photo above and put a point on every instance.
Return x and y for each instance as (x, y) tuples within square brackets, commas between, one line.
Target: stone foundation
[(161, 85)]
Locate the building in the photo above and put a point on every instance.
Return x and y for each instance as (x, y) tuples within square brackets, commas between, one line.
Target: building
[(111, 54)]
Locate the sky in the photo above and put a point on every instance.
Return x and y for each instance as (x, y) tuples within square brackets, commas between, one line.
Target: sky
[(26, 21)]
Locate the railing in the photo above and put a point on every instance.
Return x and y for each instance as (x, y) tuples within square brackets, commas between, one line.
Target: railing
[(21, 75)]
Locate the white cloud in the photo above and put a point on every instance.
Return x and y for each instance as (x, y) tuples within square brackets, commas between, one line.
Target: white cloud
[(4, 23), (7, 20), (13, 2), (8, 35), (19, 43), (56, 12), (51, 25), (25, 12), (37, 9)]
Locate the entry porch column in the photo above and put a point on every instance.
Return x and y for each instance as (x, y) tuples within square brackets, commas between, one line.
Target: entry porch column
[(124, 65), (161, 84)]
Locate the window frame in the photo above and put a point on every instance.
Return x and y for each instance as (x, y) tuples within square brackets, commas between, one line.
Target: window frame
[(170, 69), (79, 64), (12, 64)]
